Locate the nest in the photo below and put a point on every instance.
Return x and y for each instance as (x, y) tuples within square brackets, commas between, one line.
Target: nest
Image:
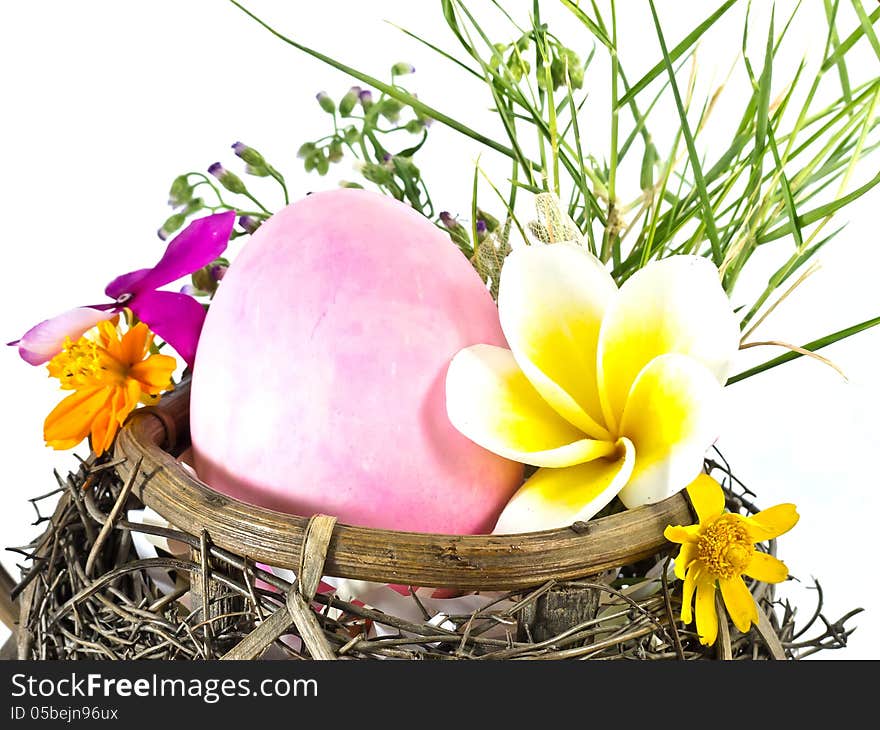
[(85, 592)]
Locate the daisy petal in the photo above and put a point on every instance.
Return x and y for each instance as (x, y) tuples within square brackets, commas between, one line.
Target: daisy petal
[(134, 344), (176, 318), (154, 373), (491, 402), (766, 568), (682, 534), (707, 618), (551, 301), (675, 305), (43, 341), (707, 497), (739, 602), (687, 592), (672, 416), (71, 420), (685, 557), (196, 246), (772, 522), (554, 498)]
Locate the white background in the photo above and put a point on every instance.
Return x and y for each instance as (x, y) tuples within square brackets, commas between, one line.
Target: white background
[(104, 103)]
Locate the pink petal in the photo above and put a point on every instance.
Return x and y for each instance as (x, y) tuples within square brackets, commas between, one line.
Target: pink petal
[(127, 283), (45, 340), (175, 317), (197, 245)]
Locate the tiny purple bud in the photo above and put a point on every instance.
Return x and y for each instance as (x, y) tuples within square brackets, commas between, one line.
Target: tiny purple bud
[(366, 97), (386, 157), (217, 170), (447, 220), (325, 102), (189, 290), (239, 148), (402, 68), (248, 223), (163, 234), (481, 226), (218, 271)]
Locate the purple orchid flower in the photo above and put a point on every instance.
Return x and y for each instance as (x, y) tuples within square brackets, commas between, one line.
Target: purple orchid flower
[(175, 317)]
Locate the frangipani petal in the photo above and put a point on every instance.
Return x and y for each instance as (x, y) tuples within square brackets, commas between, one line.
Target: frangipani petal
[(551, 301), (672, 416), (491, 402), (196, 246), (707, 497), (675, 305), (707, 617), (739, 602), (554, 498), (766, 568), (176, 318), (43, 341), (772, 522)]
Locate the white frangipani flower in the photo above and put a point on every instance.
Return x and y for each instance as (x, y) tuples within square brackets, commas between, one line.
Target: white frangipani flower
[(610, 391)]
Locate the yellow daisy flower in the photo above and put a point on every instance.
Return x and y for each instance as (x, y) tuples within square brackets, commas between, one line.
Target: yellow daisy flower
[(109, 374), (719, 551)]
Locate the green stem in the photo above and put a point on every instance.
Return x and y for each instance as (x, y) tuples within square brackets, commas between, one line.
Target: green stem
[(811, 346), (392, 91)]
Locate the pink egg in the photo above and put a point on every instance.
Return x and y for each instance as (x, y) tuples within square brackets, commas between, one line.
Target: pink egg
[(319, 381)]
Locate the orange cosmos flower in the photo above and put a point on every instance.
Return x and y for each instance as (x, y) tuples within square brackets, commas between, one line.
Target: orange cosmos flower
[(110, 375)]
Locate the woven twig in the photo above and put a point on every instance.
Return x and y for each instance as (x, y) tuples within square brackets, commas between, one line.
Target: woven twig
[(121, 613)]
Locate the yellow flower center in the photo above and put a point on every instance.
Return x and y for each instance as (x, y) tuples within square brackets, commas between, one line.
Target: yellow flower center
[(725, 547), (82, 363)]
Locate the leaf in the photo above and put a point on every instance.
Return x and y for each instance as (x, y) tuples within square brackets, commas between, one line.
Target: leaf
[(708, 215), (851, 40), (689, 40), (811, 346), (821, 212), (394, 92)]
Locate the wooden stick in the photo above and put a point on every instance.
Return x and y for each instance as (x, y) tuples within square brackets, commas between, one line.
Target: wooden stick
[(770, 637), (8, 607), (107, 527), (723, 648)]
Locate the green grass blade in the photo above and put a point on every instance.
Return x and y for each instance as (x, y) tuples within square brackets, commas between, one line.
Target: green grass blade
[(392, 91), (475, 238), (708, 215), (865, 22), (762, 88), (681, 48), (797, 259), (831, 14), (811, 346), (851, 40), (821, 212), (589, 23), (440, 51), (786, 193)]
